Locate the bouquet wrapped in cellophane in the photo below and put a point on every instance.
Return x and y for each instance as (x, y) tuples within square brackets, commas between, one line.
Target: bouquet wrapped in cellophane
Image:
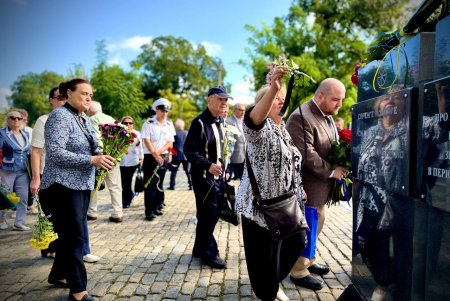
[(43, 233), (340, 155), (115, 138)]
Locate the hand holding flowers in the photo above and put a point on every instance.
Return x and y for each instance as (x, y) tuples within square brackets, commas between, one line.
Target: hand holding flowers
[(340, 160), (165, 156), (115, 139), (43, 233), (289, 66)]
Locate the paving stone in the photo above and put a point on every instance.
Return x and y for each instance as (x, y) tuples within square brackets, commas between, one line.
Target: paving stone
[(100, 289), (153, 261)]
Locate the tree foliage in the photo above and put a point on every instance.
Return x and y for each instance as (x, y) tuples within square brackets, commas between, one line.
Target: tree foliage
[(30, 92), (119, 91), (325, 38), (176, 64), (182, 107)]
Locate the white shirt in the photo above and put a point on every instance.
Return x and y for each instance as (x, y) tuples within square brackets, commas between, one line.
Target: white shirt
[(38, 139), (158, 134), (135, 152)]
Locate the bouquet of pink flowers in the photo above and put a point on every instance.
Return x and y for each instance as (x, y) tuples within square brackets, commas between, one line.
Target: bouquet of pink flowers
[(340, 155), (115, 139)]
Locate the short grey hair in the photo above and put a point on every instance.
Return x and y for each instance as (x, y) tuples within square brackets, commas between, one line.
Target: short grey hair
[(179, 124), (95, 107)]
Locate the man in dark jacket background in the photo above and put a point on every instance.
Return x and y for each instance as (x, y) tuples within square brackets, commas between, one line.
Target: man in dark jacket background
[(204, 150)]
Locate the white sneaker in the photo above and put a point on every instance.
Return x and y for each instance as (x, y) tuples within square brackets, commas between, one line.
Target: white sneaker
[(3, 226), (21, 227), (281, 296), (91, 258)]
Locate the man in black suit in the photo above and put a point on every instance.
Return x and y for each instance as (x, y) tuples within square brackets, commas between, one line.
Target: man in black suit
[(204, 150), (179, 158)]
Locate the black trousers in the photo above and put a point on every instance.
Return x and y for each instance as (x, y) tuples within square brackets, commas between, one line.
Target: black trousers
[(174, 170), (205, 191), (69, 209), (262, 262), (153, 197), (236, 170), (126, 175)]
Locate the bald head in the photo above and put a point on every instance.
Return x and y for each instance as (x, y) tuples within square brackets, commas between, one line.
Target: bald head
[(329, 84), (329, 96)]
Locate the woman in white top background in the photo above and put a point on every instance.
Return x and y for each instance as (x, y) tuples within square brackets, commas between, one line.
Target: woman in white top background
[(130, 162)]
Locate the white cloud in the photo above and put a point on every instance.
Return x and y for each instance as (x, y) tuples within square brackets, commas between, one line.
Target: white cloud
[(212, 49), (117, 59), (4, 92), (132, 43), (242, 92)]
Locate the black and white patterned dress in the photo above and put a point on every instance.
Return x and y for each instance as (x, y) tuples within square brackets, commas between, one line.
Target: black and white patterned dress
[(271, 160)]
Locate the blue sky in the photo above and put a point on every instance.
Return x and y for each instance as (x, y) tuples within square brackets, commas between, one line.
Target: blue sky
[(38, 35)]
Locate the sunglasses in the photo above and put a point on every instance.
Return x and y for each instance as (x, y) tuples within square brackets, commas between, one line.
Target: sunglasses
[(127, 123), (15, 118)]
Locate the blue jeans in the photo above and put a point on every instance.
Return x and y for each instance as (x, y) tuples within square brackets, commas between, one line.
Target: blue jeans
[(18, 182)]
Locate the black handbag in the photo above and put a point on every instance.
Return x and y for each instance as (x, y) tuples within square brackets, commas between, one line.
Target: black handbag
[(282, 214), (139, 181), (226, 201)]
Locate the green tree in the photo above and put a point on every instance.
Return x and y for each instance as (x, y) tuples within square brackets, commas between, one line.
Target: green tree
[(182, 107), (325, 38), (176, 64), (30, 92), (119, 91)]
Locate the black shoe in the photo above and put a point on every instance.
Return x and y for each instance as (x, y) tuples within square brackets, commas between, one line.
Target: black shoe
[(86, 297), (91, 218), (215, 262), (58, 283), (126, 206), (150, 217), (308, 282), (44, 253), (158, 212), (190, 188), (319, 269), (115, 219), (170, 188)]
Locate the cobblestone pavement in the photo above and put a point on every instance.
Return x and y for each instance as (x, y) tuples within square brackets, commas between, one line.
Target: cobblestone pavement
[(144, 260)]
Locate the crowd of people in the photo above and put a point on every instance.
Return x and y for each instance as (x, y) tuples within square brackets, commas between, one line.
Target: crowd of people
[(64, 150)]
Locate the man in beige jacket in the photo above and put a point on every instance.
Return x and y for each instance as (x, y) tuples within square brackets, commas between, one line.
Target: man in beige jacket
[(316, 132)]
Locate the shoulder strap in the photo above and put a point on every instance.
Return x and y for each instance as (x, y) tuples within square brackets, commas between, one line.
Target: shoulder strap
[(85, 132)]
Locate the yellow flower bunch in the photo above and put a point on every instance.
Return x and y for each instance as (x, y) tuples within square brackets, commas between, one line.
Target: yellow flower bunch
[(13, 198), (43, 233), (8, 200)]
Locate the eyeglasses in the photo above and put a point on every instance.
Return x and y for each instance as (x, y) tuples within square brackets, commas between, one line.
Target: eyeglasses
[(15, 118), (127, 123)]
